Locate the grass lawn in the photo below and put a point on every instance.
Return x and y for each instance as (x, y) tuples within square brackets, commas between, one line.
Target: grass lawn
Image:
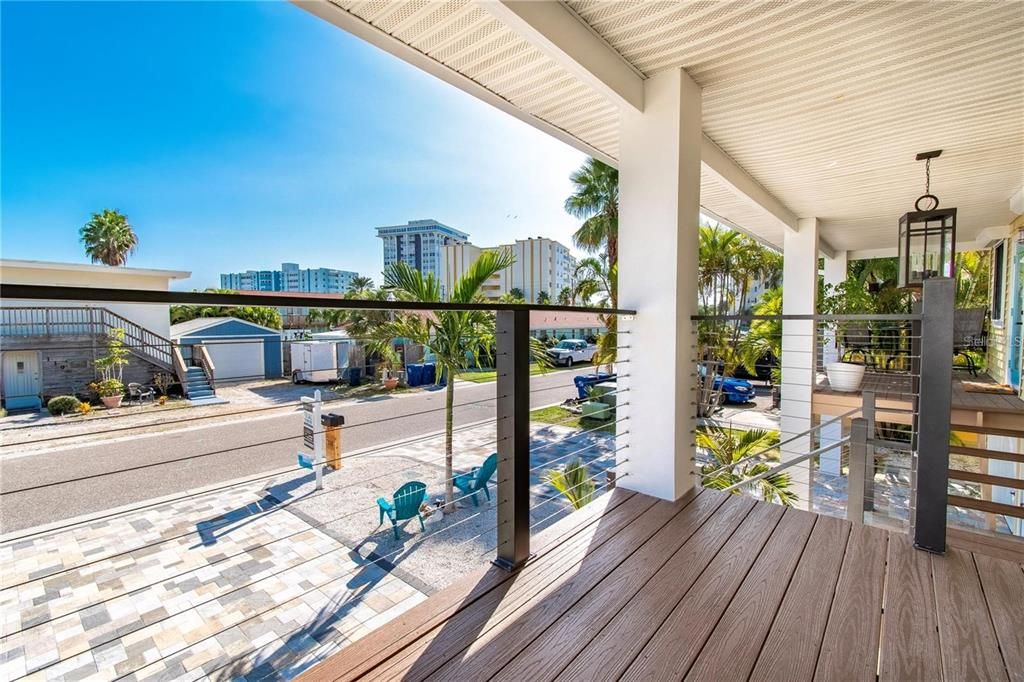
[(563, 417), (481, 376)]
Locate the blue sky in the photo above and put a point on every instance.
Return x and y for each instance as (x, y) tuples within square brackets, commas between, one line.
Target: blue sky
[(239, 135)]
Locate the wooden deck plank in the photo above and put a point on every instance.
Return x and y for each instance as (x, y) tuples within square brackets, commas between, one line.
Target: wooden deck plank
[(676, 644), (607, 513), (791, 650), (622, 633), (435, 648), (910, 637), (563, 620), (849, 650), (733, 647), (967, 639), (1003, 584)]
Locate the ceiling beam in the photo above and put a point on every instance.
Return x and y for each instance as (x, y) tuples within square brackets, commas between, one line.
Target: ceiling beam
[(558, 32)]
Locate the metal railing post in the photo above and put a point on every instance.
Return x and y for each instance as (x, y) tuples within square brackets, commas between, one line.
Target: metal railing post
[(932, 428), (868, 412), (855, 486), (513, 389)]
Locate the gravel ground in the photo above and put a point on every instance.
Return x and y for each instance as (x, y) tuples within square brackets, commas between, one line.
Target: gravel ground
[(451, 546)]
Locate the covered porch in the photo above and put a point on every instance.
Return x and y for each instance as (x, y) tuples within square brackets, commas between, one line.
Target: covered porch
[(711, 587)]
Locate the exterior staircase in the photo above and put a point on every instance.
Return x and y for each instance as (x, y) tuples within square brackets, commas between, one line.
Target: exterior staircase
[(198, 388)]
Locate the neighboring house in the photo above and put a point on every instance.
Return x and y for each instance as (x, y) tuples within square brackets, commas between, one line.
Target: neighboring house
[(418, 243), (565, 325), (49, 347), (541, 265), (240, 350)]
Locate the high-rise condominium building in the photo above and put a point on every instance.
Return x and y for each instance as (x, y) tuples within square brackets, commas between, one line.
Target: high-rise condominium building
[(418, 243), (290, 278), (541, 266)]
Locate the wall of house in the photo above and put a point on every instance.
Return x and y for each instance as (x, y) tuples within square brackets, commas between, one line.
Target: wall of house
[(67, 367), (1000, 332), (153, 317), (232, 329)]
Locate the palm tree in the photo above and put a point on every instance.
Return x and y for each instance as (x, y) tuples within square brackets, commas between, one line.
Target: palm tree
[(261, 315), (517, 294), (566, 296), (725, 469), (454, 337), (573, 482), (595, 278), (360, 283), (543, 298), (596, 201), (108, 238)]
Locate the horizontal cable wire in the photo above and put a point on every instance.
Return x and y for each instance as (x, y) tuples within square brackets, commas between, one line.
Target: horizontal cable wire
[(576, 453), (577, 434)]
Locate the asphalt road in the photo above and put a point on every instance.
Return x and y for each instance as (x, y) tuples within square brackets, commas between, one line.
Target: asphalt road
[(223, 451)]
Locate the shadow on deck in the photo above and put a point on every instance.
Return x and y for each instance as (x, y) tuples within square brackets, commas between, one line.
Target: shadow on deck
[(712, 587)]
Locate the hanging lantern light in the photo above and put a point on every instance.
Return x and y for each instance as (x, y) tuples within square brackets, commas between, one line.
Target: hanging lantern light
[(927, 245)]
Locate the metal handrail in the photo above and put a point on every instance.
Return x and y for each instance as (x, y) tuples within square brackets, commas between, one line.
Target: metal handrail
[(853, 317), (48, 292)]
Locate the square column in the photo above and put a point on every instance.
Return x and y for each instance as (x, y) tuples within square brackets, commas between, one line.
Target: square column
[(835, 274), (799, 349), (659, 214)]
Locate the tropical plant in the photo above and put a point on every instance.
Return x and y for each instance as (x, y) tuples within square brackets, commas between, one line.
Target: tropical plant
[(517, 293), (728, 450), (573, 482), (360, 283), (387, 359), (359, 323), (595, 200), (596, 279), (566, 296), (108, 238), (262, 315), (111, 365), (543, 298), (764, 337), (456, 338), (107, 388)]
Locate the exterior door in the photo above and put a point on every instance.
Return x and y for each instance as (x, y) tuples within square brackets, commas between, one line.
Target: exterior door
[(22, 380)]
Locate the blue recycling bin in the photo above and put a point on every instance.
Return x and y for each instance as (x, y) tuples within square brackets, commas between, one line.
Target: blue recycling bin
[(429, 373), (584, 381), (414, 375), (355, 376)]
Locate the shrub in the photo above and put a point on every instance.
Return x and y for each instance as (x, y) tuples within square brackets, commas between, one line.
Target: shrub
[(107, 387), (63, 404)]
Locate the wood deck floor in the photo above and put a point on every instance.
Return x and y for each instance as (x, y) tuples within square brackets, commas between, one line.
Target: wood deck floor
[(713, 587)]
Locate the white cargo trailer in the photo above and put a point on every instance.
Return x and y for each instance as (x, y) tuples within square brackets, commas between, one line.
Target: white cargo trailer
[(315, 361)]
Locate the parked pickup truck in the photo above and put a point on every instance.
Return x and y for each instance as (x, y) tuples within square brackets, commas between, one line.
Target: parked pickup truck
[(570, 351)]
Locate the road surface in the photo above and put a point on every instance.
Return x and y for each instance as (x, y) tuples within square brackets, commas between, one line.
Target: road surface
[(224, 451)]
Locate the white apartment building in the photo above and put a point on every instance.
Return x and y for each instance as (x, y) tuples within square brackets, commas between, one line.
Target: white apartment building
[(541, 265), (419, 243)]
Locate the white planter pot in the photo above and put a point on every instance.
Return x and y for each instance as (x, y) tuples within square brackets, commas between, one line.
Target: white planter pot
[(844, 376)]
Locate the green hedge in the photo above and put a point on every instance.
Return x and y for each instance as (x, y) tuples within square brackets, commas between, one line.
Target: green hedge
[(63, 404)]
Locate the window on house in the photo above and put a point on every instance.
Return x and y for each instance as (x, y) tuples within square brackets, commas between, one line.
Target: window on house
[(998, 280)]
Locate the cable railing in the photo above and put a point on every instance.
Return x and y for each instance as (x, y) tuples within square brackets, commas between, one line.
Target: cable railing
[(290, 533)]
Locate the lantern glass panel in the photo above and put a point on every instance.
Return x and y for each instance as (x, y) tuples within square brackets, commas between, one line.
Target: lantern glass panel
[(927, 245)]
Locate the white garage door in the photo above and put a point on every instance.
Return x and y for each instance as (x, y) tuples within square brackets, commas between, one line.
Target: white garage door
[(237, 359)]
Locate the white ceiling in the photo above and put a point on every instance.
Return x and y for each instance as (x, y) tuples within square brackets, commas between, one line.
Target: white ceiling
[(825, 103)]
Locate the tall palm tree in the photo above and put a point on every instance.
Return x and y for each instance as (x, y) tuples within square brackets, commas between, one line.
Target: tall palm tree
[(595, 278), (360, 283), (595, 199), (455, 337), (108, 238), (725, 468)]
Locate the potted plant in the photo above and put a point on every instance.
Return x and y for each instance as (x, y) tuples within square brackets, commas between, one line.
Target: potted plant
[(385, 366), (110, 387), (110, 391)]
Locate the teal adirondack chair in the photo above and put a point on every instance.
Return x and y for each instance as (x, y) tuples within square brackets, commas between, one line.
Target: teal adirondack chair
[(475, 480), (406, 504)]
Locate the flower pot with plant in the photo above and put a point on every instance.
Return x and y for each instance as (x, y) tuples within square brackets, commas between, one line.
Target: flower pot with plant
[(388, 360), (110, 387)]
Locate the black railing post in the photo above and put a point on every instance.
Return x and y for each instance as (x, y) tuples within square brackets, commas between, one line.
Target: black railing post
[(513, 389), (934, 406)]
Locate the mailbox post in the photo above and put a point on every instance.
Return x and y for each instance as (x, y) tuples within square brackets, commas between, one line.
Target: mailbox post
[(332, 424), (313, 437)]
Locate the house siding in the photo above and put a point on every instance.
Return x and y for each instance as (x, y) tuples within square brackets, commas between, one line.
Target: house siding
[(238, 329)]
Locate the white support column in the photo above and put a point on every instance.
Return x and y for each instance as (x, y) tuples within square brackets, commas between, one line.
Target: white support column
[(835, 274), (659, 167), (799, 297)]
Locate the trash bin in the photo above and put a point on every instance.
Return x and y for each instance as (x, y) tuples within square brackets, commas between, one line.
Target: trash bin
[(584, 381), (414, 375), (355, 376), (429, 373)]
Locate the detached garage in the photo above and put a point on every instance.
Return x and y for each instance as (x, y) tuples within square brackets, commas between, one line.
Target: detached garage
[(240, 350)]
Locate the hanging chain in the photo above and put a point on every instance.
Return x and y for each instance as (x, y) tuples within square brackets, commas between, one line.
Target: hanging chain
[(927, 176)]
